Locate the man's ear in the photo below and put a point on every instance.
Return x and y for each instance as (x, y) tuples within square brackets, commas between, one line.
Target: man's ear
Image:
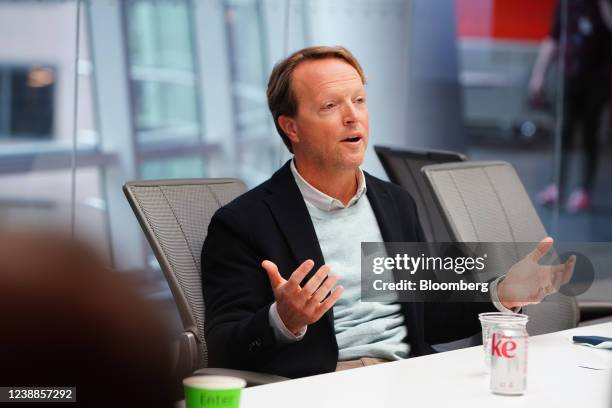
[(289, 127)]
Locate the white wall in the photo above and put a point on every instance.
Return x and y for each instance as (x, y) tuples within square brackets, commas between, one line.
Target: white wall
[(408, 50), (377, 33), (434, 98)]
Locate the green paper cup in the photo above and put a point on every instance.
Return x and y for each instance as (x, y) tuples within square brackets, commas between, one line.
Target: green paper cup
[(213, 391)]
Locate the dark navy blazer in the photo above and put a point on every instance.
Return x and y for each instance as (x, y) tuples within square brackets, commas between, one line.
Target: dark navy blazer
[(272, 222)]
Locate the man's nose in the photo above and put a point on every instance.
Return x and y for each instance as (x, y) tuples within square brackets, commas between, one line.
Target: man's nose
[(349, 115)]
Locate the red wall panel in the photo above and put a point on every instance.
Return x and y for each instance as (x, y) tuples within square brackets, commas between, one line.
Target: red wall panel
[(523, 20)]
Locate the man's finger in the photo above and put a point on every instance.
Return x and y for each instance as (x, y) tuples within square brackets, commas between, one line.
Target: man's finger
[(563, 273), (556, 270), (541, 294), (273, 274), (550, 289), (300, 273), (557, 276), (541, 249), (330, 301), (315, 281), (568, 271), (324, 289)]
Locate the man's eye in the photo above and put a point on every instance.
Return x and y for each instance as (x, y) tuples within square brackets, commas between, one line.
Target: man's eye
[(328, 106), (360, 100)]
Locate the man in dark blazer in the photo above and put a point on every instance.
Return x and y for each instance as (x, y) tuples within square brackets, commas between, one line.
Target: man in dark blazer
[(268, 291)]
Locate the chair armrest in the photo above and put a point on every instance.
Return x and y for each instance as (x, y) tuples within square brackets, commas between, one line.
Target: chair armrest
[(185, 355), (187, 362)]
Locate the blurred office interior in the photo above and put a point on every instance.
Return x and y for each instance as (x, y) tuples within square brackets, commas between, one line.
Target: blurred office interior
[(95, 93)]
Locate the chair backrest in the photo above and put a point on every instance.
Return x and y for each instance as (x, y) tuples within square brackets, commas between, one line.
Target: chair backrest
[(485, 201), (403, 167), (174, 215)]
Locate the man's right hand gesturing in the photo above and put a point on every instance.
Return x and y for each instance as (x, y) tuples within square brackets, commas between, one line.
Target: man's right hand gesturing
[(300, 306)]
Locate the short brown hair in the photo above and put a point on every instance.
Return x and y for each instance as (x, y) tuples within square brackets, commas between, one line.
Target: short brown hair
[(281, 97)]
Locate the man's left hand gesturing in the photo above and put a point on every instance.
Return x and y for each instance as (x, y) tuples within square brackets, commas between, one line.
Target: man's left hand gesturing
[(528, 282)]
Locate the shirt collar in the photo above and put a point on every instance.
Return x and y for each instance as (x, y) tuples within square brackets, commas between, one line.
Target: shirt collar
[(321, 200)]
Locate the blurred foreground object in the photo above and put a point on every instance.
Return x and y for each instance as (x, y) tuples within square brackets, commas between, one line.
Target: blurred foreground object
[(68, 321)]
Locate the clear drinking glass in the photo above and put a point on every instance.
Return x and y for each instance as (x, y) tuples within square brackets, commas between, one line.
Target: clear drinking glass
[(492, 319)]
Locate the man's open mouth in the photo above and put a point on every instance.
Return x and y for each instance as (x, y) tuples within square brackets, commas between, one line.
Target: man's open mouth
[(352, 139)]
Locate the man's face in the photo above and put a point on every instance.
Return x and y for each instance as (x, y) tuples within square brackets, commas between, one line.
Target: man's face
[(330, 129)]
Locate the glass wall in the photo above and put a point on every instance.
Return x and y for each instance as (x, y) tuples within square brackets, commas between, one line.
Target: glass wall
[(534, 79), (176, 89), (50, 159), (162, 71), (248, 58)]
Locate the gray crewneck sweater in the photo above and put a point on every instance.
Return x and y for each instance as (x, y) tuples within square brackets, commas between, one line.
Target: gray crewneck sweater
[(363, 329)]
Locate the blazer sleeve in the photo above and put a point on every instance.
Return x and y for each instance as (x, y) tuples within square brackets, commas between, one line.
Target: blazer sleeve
[(237, 296)]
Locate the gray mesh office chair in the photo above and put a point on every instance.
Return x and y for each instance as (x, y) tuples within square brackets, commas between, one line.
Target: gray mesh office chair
[(486, 202), (174, 215), (403, 167)]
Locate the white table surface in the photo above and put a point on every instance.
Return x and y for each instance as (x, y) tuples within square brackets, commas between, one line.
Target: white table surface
[(457, 378)]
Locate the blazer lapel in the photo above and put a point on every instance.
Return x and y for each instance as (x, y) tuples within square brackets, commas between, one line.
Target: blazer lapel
[(288, 208), (293, 219), (384, 209), (387, 215)]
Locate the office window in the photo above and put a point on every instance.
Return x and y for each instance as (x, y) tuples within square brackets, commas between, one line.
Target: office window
[(38, 184), (162, 71), (257, 144), (247, 56), (27, 102)]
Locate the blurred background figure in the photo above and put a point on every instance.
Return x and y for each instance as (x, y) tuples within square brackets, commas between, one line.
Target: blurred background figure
[(586, 37), (68, 321)]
